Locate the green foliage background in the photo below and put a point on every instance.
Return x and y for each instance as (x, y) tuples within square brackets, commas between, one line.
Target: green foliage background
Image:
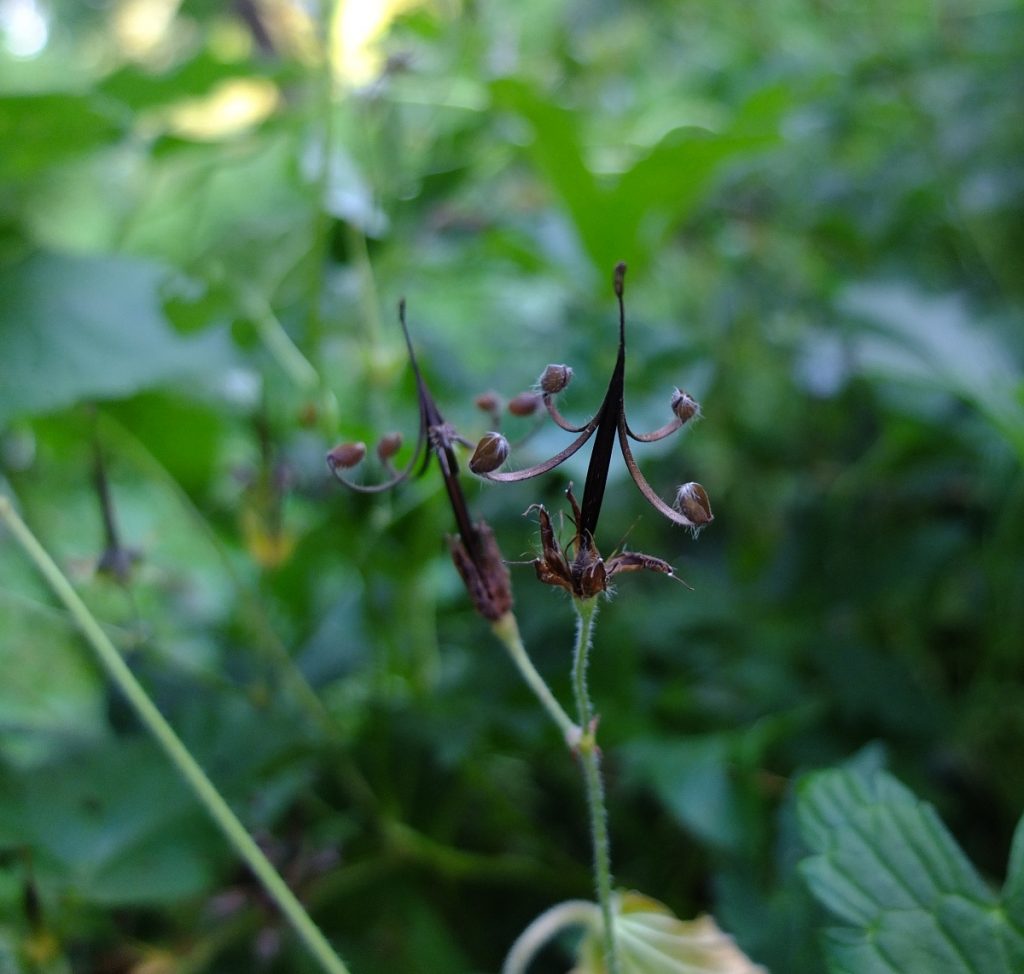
[(821, 206)]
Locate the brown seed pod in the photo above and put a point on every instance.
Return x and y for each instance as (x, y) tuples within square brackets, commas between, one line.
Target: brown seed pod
[(692, 502), (388, 446), (525, 404), (346, 455), (555, 378), (684, 406), (490, 453)]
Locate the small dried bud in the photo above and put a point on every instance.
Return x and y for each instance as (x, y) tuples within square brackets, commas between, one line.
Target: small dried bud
[(620, 277), (692, 502), (388, 446), (555, 378), (488, 402), (525, 404), (684, 406), (346, 455), (483, 572), (490, 453)]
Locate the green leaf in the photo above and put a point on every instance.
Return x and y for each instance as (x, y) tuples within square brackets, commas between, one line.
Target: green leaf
[(51, 693), (936, 342), (625, 217), (910, 900), (653, 941), (38, 131), (115, 826), (75, 328), (691, 777)]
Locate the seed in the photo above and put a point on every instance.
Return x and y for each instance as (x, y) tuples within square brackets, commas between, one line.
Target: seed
[(346, 455), (555, 378), (490, 453)]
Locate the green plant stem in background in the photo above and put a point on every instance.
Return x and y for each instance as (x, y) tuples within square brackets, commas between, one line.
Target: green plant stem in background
[(586, 610), (173, 746), (507, 630)]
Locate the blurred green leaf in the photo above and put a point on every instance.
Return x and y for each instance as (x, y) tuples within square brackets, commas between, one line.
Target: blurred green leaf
[(624, 217), (114, 825), (40, 131), (935, 341), (51, 696), (691, 776), (79, 328), (884, 863)]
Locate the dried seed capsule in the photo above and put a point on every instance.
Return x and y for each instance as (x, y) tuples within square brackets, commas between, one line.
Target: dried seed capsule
[(346, 455), (388, 446), (525, 404), (488, 402), (692, 502), (555, 378), (490, 453), (684, 406)]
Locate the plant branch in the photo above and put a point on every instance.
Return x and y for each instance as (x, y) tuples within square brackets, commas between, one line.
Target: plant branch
[(173, 746), (507, 630)]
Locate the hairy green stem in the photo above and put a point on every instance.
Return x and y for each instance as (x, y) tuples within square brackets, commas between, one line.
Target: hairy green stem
[(590, 759), (176, 751), (507, 630)]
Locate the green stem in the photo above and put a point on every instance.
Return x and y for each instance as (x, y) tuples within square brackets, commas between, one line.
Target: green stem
[(279, 344), (180, 756), (590, 759), (507, 630)]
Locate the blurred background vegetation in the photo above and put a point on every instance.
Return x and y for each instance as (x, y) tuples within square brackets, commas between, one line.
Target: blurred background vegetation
[(208, 212)]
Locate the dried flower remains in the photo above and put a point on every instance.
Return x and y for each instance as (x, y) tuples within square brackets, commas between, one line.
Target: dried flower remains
[(580, 569), (474, 549)]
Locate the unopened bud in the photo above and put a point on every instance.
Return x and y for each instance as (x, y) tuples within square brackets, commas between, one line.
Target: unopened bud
[(620, 277), (525, 404), (346, 455), (555, 378), (490, 453), (692, 502), (388, 446), (684, 406), (488, 402)]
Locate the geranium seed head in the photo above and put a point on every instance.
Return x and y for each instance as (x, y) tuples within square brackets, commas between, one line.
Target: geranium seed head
[(684, 406), (555, 378), (525, 404), (346, 455), (490, 453), (692, 502), (388, 446)]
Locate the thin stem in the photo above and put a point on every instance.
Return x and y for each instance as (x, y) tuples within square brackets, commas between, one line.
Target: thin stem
[(551, 922), (279, 344), (590, 759), (507, 630), (176, 751)]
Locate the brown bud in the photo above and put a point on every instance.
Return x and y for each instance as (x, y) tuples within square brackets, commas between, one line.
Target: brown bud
[(488, 402), (684, 406), (388, 446), (490, 453), (620, 277), (483, 572), (555, 378), (346, 455), (692, 502), (525, 404)]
